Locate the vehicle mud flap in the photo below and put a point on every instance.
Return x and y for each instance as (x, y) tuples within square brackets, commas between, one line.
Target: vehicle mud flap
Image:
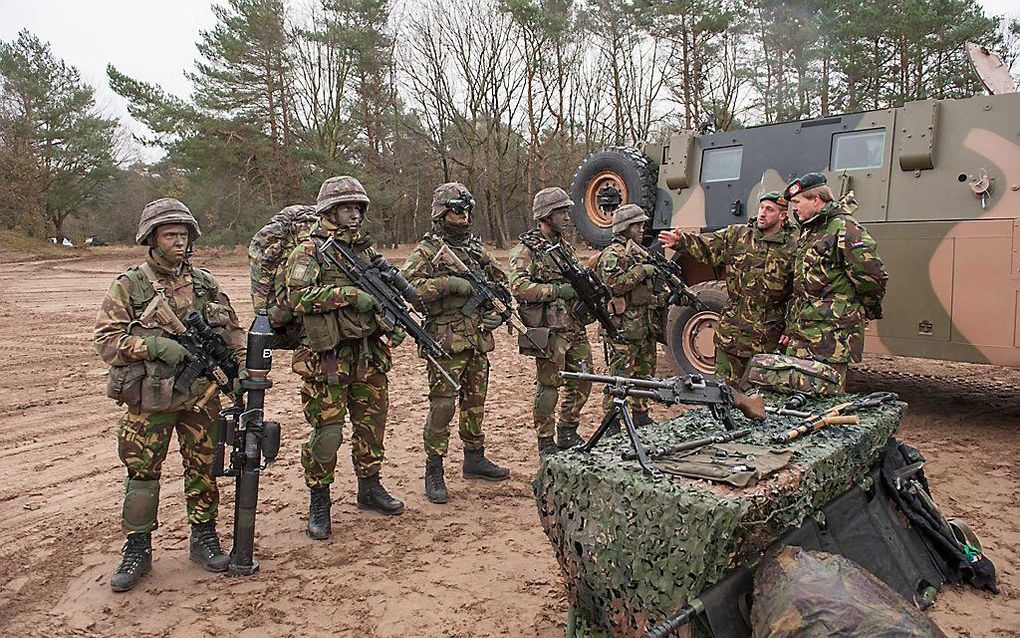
[(863, 525)]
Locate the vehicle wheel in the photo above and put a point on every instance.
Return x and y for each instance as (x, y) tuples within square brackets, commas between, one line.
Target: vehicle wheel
[(605, 180), (691, 333)]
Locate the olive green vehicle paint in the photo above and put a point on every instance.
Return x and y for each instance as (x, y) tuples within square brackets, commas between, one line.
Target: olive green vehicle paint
[(938, 186)]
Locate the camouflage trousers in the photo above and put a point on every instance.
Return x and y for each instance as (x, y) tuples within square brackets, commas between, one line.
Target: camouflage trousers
[(325, 406), (471, 369), (143, 439), (788, 374), (730, 367), (570, 352), (631, 359)]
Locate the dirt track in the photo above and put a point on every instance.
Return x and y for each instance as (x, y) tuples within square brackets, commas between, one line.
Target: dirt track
[(479, 566)]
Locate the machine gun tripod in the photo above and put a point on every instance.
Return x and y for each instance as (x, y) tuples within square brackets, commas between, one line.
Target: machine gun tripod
[(693, 389)]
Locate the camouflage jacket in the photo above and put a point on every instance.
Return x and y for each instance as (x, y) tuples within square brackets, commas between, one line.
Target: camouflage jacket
[(447, 324), (759, 278), (119, 335), (330, 320), (533, 280), (839, 281), (634, 304)]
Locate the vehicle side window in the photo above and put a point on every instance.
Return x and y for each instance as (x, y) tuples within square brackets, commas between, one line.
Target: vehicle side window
[(721, 164), (857, 150)]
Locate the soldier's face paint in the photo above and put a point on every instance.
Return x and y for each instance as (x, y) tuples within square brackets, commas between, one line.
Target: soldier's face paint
[(805, 207), (171, 242), (558, 219), (347, 216), (635, 232), (770, 215)]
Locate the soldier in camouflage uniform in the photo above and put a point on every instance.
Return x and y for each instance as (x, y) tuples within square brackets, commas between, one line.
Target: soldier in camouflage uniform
[(144, 362), (624, 267), (546, 301), (467, 338), (759, 261), (838, 285), (343, 359)]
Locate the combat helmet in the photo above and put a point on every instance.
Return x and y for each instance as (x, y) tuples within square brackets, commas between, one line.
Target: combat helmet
[(549, 199), (341, 190), (166, 210), (626, 215), (450, 195)]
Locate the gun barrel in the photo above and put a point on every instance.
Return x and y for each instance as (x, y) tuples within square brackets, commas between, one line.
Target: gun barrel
[(621, 381)]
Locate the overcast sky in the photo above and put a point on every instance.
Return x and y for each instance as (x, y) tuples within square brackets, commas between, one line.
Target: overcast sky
[(149, 40)]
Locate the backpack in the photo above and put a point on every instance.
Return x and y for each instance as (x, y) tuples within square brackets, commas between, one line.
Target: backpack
[(267, 256)]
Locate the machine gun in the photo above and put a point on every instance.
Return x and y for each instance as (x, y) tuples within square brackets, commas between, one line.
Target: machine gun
[(491, 296), (383, 281), (252, 440), (592, 295), (208, 355), (669, 276), (692, 390)]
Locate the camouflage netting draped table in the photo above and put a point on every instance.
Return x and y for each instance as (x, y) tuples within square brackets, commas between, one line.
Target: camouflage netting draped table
[(634, 548)]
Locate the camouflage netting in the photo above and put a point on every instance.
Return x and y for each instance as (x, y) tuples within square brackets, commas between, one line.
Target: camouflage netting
[(633, 549)]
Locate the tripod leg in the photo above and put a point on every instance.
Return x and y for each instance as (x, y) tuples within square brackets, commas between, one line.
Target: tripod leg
[(639, 447), (607, 420)]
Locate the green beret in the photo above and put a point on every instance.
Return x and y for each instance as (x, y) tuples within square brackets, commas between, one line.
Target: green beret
[(804, 183), (773, 196)]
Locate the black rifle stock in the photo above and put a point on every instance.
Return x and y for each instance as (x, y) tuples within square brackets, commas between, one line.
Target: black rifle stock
[(383, 281)]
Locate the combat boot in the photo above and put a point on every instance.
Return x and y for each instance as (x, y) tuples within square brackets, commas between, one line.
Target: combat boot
[(477, 466), (435, 484), (546, 446), (205, 547), (137, 562), (373, 496), (641, 419), (567, 437), (319, 525)]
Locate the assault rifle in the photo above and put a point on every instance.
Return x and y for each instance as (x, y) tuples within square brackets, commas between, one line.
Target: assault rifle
[(208, 355), (252, 440), (592, 294), (491, 296), (692, 390), (669, 275), (383, 281), (841, 414)]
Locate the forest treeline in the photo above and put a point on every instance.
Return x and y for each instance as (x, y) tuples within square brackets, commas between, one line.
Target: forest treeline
[(506, 96)]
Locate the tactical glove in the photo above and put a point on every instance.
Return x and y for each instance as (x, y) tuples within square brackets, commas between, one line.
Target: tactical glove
[(460, 286), (397, 337), (360, 300), (650, 270), (164, 349), (565, 291), (242, 376), (491, 321)]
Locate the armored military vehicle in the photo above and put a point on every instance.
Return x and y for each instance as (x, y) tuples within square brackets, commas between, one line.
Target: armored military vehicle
[(938, 183)]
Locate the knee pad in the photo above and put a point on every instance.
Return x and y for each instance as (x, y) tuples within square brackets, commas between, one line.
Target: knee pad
[(441, 411), (545, 399), (325, 442), (141, 502)]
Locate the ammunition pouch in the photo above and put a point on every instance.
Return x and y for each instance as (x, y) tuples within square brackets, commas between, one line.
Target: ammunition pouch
[(323, 331), (147, 386), (551, 314), (540, 336)]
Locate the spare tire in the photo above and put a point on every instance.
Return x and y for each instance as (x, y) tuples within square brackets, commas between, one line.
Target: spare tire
[(605, 180), (690, 333)]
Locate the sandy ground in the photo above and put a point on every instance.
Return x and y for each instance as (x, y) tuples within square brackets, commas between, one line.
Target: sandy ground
[(479, 566)]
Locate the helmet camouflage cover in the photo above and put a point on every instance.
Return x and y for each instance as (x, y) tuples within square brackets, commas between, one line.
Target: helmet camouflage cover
[(626, 215), (166, 210), (341, 190), (549, 199), (450, 195)]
